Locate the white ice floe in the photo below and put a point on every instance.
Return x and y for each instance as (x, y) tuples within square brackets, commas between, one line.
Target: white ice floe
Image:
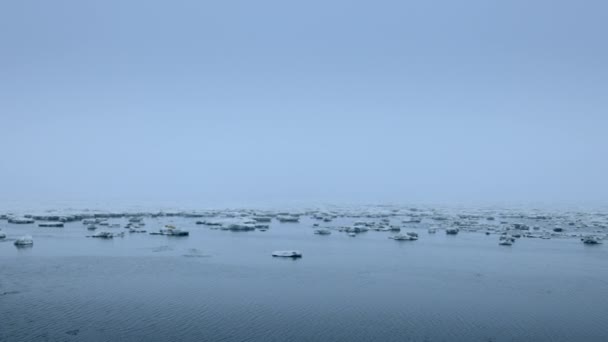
[(288, 218), (20, 220), (405, 237), (591, 240), (103, 235), (172, 231), (452, 231), (25, 240), (288, 254), (506, 240)]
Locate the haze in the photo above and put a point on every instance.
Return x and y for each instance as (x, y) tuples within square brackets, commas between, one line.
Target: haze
[(280, 101)]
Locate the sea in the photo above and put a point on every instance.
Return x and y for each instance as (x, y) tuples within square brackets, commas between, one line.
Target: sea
[(220, 285)]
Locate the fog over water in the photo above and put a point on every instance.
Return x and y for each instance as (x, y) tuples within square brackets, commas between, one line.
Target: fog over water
[(303, 171), (248, 103)]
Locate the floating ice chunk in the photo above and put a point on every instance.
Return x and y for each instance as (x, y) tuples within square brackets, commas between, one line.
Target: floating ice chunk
[(136, 219), (452, 231), (395, 228), (25, 240), (103, 235), (172, 231), (262, 218), (175, 232), (506, 240), (51, 224), (288, 218), (90, 221), (239, 226), (288, 254), (20, 220), (591, 240), (132, 230), (356, 229), (405, 237)]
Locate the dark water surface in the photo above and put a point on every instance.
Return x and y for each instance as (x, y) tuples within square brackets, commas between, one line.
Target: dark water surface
[(224, 286)]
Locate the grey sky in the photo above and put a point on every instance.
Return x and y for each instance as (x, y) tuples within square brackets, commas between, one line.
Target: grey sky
[(339, 101)]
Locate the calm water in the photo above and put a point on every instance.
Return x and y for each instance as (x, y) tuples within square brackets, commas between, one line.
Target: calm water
[(224, 286)]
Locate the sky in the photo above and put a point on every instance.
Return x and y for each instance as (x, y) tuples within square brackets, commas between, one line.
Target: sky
[(315, 101)]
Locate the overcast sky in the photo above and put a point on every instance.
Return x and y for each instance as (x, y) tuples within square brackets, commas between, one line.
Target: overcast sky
[(334, 101)]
